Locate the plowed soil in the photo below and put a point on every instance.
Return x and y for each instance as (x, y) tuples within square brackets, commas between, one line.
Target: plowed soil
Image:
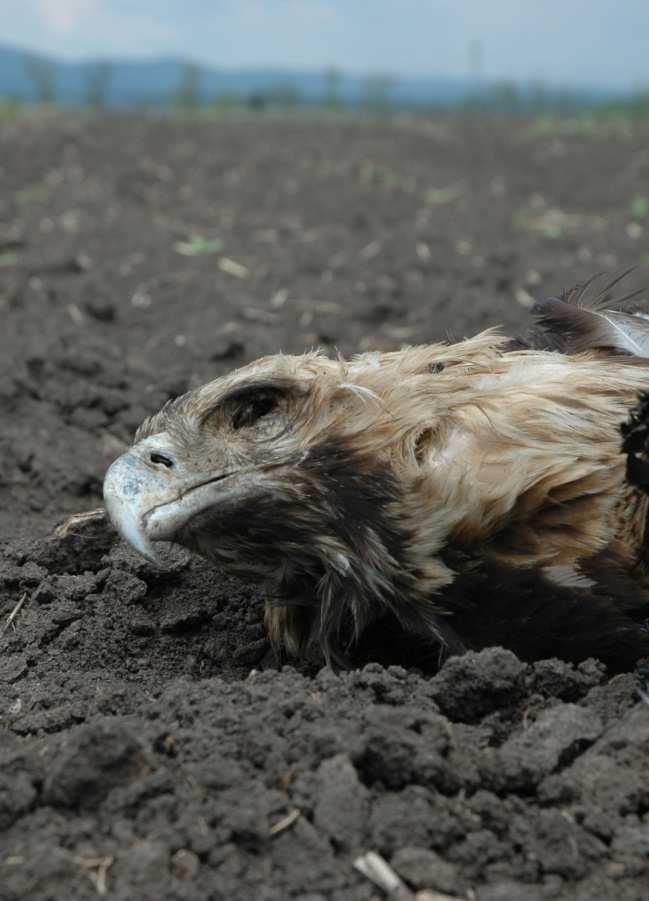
[(150, 747)]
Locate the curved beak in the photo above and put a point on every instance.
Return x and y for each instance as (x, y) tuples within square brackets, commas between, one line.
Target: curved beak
[(149, 496), (131, 489)]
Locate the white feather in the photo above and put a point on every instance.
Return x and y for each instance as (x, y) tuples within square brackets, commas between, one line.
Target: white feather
[(360, 391)]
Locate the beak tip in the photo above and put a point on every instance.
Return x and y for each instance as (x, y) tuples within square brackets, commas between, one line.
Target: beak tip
[(122, 499)]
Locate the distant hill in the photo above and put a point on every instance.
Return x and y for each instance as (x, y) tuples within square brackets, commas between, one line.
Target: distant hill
[(125, 84)]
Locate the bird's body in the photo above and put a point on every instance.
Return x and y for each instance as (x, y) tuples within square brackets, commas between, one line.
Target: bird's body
[(468, 493)]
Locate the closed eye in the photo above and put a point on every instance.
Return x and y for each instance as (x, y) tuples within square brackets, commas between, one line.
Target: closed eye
[(252, 407), (264, 402)]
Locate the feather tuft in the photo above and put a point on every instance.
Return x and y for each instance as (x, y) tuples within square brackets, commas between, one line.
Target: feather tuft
[(588, 317)]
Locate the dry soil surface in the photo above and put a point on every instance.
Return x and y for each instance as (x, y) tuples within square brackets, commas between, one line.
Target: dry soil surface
[(150, 748)]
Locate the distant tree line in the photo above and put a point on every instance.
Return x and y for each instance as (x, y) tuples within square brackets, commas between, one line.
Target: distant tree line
[(376, 94), (189, 94), (97, 84), (535, 98), (42, 74)]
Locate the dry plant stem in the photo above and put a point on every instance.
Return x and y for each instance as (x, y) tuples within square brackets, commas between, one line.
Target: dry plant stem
[(79, 519), (98, 868), (377, 870), (285, 822), (13, 615)]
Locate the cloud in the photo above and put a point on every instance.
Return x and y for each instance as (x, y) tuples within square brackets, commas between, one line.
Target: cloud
[(82, 28), (63, 17), (290, 12), (315, 11)]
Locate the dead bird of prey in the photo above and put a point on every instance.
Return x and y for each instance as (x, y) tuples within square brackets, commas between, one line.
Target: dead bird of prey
[(458, 495)]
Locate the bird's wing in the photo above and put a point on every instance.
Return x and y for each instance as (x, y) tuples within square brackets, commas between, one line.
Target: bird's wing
[(523, 609), (591, 316)]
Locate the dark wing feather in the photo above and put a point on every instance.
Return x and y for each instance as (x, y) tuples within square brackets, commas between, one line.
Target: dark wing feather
[(586, 294), (519, 609), (591, 316), (584, 329)]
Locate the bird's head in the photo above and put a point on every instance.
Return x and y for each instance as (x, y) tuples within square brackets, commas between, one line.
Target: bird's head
[(201, 470), (295, 469)]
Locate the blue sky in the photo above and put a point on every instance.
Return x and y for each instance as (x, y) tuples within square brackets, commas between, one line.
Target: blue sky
[(600, 42)]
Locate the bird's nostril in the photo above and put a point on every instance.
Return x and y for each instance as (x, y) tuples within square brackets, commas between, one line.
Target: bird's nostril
[(161, 458)]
